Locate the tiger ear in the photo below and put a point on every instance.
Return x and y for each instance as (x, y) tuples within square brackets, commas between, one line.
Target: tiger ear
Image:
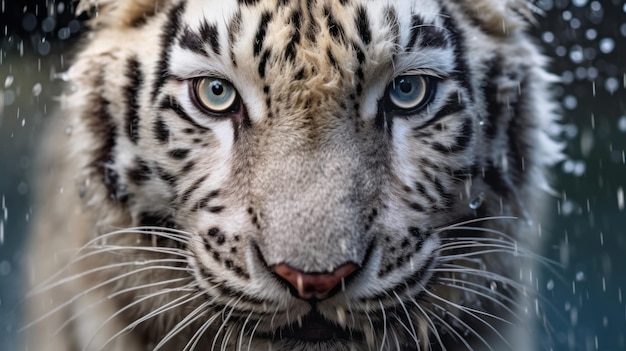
[(120, 13), (500, 17)]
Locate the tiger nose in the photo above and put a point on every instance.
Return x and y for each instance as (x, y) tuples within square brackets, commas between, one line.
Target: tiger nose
[(313, 285)]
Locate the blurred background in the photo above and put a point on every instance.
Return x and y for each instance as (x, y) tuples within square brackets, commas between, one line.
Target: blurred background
[(586, 229)]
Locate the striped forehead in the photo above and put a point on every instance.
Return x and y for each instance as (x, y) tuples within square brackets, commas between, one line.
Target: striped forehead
[(216, 11), (243, 26)]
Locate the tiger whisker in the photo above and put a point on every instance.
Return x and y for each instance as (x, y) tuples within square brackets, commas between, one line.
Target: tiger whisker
[(412, 331), (91, 289), (384, 337), (471, 221), (485, 295), (111, 296), (199, 332), (134, 303), (227, 334), (100, 269), (447, 325), (252, 333), (474, 313), (103, 249), (225, 320), (162, 309), (479, 273), (241, 333), (189, 319), (431, 325)]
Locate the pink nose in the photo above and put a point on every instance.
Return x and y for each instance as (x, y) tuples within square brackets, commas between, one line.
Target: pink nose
[(314, 285)]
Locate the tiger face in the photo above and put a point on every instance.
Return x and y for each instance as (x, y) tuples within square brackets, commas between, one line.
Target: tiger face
[(308, 175)]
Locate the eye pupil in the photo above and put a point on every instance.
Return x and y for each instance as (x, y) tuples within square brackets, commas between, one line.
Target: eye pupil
[(217, 88), (405, 86)]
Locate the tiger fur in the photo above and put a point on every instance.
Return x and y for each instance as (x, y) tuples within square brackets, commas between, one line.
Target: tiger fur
[(163, 216)]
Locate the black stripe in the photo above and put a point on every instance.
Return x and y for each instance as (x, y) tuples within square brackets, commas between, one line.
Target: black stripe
[(360, 55), (161, 130), (331, 58), (209, 32), (290, 49), (188, 167), (131, 91), (179, 154), (417, 207), (140, 173), (363, 25), (194, 187), (465, 136), (167, 177), (234, 27), (452, 106), (263, 63), (416, 25), (489, 86), (102, 125), (216, 209), (432, 37), (421, 189), (456, 38), (259, 39), (171, 103), (170, 32), (517, 131), (461, 141), (445, 197), (334, 28), (205, 200), (192, 41), (497, 181)]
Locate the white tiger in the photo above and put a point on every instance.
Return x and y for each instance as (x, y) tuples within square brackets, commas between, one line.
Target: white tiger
[(294, 175)]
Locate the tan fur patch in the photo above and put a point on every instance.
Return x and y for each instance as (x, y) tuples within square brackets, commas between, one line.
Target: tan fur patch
[(120, 13), (498, 17)]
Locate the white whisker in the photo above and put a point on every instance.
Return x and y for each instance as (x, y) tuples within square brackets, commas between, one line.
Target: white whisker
[(243, 329), (384, 337), (109, 297), (103, 268), (189, 319), (95, 287), (431, 325), (177, 302), (252, 333), (474, 314), (99, 250), (411, 331), (449, 327), (470, 221), (225, 320), (482, 294)]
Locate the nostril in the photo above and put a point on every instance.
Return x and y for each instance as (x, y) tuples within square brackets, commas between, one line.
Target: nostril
[(313, 285)]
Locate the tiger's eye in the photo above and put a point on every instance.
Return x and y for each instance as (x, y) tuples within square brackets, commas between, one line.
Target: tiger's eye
[(410, 94), (215, 95)]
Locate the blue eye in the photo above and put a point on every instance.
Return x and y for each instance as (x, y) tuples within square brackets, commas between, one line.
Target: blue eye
[(215, 95), (410, 94)]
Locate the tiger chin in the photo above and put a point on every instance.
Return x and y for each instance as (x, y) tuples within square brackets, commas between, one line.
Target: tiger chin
[(294, 175)]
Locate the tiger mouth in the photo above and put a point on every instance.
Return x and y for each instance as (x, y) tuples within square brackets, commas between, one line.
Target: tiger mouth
[(313, 328)]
